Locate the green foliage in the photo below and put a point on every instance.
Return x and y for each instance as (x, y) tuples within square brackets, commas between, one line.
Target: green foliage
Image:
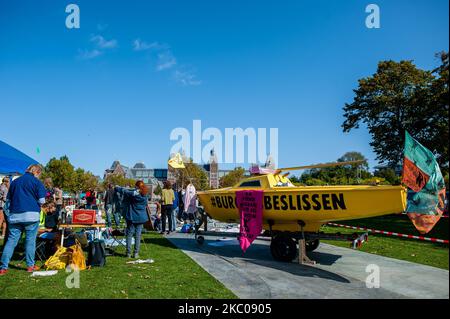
[(388, 174), (183, 278), (427, 253), (232, 178), (158, 190), (118, 180), (194, 173), (294, 180), (85, 180), (399, 97), (338, 175), (309, 181), (64, 175)]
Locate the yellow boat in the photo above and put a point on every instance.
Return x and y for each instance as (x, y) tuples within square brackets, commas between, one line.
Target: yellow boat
[(289, 210), (286, 204)]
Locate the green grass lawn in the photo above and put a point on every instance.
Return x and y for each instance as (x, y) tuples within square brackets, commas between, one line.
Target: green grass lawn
[(173, 275), (427, 253)]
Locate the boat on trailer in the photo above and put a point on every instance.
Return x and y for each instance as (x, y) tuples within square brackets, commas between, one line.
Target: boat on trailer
[(292, 213)]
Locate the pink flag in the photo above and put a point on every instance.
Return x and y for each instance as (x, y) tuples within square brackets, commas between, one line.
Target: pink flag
[(250, 205)]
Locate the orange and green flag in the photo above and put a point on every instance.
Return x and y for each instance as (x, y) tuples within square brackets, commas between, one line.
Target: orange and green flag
[(421, 173)]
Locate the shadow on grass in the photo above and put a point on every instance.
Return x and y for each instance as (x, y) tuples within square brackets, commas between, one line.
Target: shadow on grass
[(163, 242), (259, 254)]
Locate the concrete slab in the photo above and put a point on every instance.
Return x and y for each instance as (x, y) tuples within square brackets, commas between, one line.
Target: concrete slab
[(339, 274)]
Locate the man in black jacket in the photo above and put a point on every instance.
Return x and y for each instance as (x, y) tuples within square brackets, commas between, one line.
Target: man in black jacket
[(109, 204)]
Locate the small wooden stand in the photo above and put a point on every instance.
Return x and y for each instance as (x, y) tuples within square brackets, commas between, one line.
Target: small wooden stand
[(302, 258)]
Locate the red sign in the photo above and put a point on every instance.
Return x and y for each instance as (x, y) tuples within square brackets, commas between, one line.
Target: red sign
[(250, 204), (83, 216)]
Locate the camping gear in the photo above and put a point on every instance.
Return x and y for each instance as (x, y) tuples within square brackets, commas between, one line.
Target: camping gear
[(84, 216), (187, 228), (97, 253), (13, 161)]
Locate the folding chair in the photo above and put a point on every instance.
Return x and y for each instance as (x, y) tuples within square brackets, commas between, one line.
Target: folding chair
[(40, 252), (113, 241)]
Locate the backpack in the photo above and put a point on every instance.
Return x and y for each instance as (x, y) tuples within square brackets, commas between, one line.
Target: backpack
[(97, 253), (187, 228)]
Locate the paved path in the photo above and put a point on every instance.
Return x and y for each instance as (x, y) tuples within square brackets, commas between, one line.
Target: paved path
[(340, 272)]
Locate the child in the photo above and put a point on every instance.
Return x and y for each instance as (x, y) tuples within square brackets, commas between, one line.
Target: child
[(157, 222)]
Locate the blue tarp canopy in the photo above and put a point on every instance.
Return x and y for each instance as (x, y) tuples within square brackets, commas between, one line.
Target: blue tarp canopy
[(13, 161)]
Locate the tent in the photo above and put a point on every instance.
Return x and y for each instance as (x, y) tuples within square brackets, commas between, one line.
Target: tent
[(13, 161)]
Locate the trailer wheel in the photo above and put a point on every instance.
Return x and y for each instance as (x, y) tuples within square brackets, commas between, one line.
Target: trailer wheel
[(200, 240), (283, 248), (312, 245)]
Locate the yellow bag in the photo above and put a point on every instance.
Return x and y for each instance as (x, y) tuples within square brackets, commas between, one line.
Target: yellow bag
[(59, 260), (78, 259), (63, 257)]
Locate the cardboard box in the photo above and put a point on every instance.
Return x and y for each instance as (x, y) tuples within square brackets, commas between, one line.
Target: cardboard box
[(84, 216)]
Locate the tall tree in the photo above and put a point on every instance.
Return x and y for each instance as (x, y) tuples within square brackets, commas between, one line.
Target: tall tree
[(233, 177), (65, 176), (399, 97), (119, 180), (84, 180), (194, 173), (338, 175), (61, 172)]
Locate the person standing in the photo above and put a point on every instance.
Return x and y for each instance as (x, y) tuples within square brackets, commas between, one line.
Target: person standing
[(180, 204), (26, 195), (53, 193), (109, 204), (175, 209), (118, 211), (190, 203), (4, 187), (167, 198), (91, 199), (136, 214), (58, 199)]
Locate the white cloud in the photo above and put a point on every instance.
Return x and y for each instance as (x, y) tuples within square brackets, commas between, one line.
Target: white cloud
[(166, 60), (139, 45), (102, 43), (186, 78), (89, 54)]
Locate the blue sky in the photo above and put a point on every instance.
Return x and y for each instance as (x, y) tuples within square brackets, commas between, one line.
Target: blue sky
[(96, 95)]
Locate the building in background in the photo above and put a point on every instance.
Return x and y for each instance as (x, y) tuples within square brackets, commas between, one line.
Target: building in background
[(151, 177), (154, 176)]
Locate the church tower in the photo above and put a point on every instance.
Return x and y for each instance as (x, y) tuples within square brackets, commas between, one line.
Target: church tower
[(213, 170)]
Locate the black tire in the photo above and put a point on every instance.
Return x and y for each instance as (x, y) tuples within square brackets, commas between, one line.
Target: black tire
[(200, 240), (283, 248), (312, 245)]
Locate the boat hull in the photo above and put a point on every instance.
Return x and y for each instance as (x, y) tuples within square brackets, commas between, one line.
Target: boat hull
[(314, 206)]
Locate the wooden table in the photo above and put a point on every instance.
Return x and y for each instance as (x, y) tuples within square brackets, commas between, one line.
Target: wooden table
[(63, 227)]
